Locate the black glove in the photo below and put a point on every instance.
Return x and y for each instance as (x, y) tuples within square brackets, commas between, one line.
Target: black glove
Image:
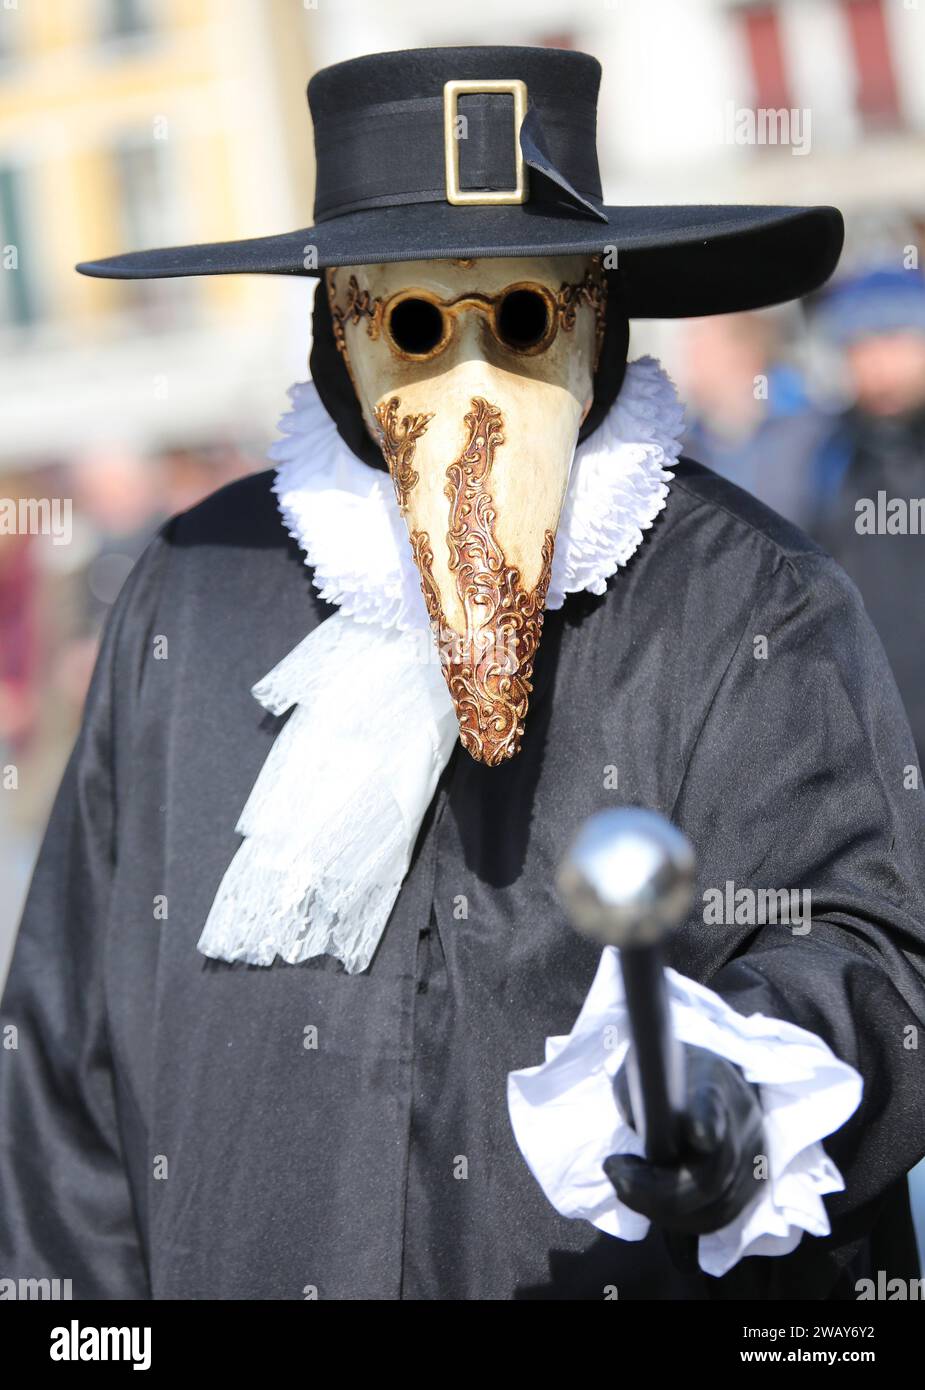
[(722, 1133)]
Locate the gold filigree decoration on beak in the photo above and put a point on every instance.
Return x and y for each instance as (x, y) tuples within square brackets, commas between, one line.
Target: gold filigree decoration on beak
[(398, 443), (489, 669)]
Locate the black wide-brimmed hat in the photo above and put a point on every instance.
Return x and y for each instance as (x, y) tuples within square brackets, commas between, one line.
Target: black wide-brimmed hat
[(459, 153)]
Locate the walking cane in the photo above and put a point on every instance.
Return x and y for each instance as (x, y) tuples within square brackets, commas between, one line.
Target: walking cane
[(627, 881)]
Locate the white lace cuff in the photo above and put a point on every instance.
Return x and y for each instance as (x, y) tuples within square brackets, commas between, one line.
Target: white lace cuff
[(566, 1120)]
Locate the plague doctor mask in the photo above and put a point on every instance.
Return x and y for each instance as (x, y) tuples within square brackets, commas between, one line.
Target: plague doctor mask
[(474, 377)]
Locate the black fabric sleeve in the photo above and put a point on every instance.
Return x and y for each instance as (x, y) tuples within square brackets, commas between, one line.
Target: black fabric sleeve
[(66, 1207), (804, 776)]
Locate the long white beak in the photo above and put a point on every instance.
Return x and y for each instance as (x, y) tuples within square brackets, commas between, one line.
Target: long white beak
[(482, 528)]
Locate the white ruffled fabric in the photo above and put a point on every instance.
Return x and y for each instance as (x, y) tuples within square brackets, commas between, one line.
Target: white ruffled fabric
[(329, 828), (343, 513), (566, 1120), (333, 816), (618, 483)]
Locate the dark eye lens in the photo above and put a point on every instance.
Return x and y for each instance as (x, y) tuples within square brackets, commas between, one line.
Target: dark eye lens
[(522, 319), (416, 326)]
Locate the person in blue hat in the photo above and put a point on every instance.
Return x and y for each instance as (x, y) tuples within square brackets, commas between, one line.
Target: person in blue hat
[(869, 474)]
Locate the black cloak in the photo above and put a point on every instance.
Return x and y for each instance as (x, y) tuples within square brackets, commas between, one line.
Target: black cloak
[(165, 1130)]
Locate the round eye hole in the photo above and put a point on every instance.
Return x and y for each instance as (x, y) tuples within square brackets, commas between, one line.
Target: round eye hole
[(416, 326), (522, 320)]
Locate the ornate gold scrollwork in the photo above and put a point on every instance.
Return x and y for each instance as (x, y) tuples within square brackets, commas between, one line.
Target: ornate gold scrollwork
[(590, 290), (359, 306), (398, 443), (489, 669)]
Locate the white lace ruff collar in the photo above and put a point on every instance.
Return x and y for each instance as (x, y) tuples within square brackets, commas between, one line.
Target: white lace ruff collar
[(342, 512), (333, 816)]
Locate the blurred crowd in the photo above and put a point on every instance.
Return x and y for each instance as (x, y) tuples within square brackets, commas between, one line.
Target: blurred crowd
[(819, 410), (54, 600)]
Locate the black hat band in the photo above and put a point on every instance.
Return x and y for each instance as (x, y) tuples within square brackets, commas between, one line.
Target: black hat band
[(393, 153)]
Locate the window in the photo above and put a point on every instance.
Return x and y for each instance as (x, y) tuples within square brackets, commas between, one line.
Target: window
[(770, 82), (18, 297), (125, 19), (141, 183), (9, 20), (147, 205), (876, 99)]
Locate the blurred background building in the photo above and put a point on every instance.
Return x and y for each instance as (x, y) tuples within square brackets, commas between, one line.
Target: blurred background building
[(127, 124)]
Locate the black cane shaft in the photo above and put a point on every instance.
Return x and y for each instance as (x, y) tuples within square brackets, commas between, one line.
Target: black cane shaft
[(656, 1054)]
